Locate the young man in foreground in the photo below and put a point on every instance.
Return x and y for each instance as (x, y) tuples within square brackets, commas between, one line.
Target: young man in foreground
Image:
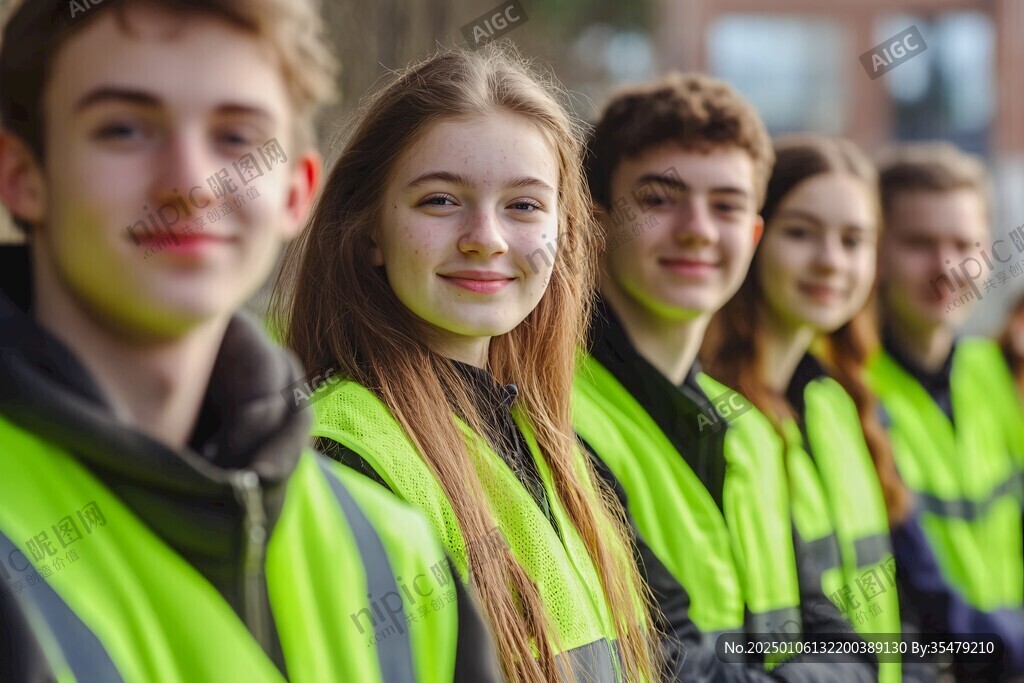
[(160, 516)]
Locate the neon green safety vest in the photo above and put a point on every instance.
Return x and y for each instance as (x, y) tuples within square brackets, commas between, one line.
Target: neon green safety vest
[(557, 561), (729, 563), (839, 510), (126, 607), (968, 479)]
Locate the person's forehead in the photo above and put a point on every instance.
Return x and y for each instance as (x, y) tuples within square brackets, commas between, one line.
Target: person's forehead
[(470, 145), (719, 165), (952, 213), (190, 60)]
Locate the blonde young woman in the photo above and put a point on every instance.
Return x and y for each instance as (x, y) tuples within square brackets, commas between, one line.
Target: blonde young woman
[(446, 273)]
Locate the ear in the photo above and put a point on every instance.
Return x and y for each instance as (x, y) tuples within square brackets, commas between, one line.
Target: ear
[(303, 185), (758, 230), (22, 187)]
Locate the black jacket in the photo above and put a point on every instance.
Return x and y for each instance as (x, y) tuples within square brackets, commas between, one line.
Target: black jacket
[(185, 496)]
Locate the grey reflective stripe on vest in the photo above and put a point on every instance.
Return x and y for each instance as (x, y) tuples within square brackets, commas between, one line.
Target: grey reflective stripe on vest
[(591, 663), (82, 650), (774, 624), (395, 651), (785, 623), (823, 553), (872, 550), (970, 510)]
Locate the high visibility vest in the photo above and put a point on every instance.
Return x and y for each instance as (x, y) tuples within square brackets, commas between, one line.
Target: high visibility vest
[(839, 510), (556, 559), (108, 600), (968, 478), (738, 565)]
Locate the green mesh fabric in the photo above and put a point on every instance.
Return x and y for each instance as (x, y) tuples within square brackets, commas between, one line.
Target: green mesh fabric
[(560, 567)]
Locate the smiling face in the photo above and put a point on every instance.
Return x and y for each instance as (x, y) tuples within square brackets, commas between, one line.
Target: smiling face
[(698, 227), (136, 123), (928, 235), (466, 211), (816, 265)]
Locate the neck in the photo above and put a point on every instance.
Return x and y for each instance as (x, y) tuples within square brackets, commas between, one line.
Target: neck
[(670, 345), (154, 386), (782, 347), (927, 347), (469, 350)]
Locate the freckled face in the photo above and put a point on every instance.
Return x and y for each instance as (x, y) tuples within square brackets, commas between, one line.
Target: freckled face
[(468, 208)]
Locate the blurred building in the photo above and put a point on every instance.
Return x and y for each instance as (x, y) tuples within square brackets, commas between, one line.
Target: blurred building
[(798, 61), (962, 88)]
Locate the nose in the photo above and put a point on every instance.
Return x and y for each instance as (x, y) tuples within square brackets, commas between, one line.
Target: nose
[(946, 256), (694, 222), (189, 178), (828, 257), (482, 234)]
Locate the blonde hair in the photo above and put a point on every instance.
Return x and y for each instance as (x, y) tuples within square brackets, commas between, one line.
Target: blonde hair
[(339, 310)]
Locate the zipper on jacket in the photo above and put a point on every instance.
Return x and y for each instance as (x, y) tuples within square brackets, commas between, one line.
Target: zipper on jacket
[(254, 608)]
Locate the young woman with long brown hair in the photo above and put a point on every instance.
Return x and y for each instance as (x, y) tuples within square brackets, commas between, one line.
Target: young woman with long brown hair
[(796, 340), (447, 273)]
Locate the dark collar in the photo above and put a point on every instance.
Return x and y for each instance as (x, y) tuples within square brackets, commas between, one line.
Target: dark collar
[(683, 412), (243, 422), (807, 370), (611, 346), (933, 382), (488, 390)]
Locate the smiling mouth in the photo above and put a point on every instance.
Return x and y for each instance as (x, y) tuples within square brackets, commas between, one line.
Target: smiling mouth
[(820, 292), (189, 246), (691, 267), (479, 283)]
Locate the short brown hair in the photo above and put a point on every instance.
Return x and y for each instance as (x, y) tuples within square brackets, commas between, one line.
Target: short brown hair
[(930, 167), (695, 111), (37, 29)]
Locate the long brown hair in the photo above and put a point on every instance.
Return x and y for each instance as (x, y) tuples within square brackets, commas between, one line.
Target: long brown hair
[(733, 350), (338, 310)]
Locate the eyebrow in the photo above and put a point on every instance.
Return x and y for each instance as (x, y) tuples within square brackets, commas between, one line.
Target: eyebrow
[(682, 186), (142, 98), (464, 181), (108, 94), (811, 218)]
